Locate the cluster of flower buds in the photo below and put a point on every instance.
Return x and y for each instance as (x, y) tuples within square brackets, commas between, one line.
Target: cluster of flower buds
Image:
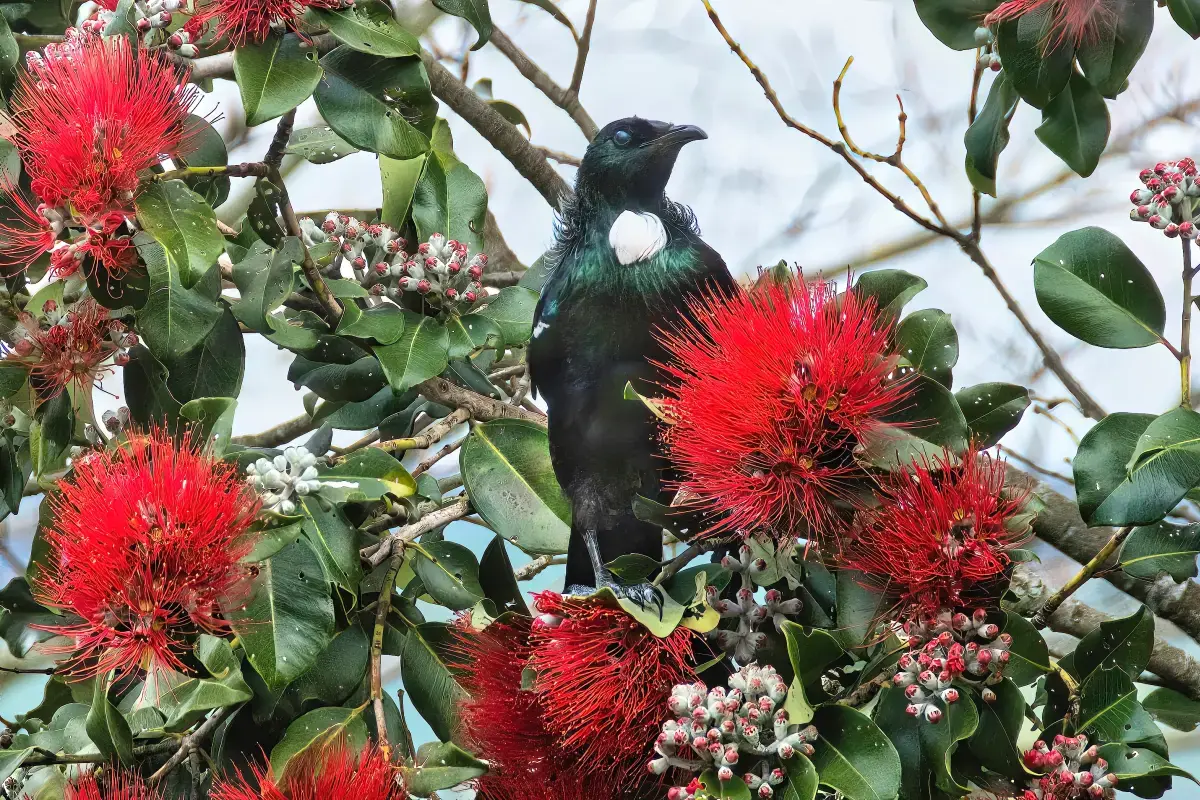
[(108, 243), (115, 422), (1168, 200), (989, 58), (714, 729), (148, 15), (744, 641), (1071, 771), (945, 649), (280, 480)]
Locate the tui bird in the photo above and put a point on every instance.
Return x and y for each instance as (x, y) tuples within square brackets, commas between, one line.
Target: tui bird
[(626, 261)]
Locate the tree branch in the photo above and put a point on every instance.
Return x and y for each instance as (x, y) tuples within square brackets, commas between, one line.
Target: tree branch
[(585, 45), (282, 433), (192, 742), (1081, 577), (563, 98), (279, 143), (482, 409), (454, 510)]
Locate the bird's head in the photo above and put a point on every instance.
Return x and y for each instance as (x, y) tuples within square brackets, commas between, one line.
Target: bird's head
[(629, 162)]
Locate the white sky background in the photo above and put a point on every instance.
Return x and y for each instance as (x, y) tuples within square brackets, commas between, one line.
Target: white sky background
[(754, 177)]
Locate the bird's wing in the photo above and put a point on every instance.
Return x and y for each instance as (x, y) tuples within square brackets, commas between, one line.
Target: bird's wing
[(545, 353), (715, 274)]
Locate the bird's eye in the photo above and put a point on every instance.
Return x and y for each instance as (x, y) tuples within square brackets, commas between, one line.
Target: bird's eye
[(622, 137)]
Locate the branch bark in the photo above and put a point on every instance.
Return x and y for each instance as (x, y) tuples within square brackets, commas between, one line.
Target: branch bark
[(563, 98), (481, 408), (282, 433)]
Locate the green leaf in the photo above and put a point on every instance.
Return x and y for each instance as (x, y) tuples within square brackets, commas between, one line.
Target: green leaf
[(473, 11), (927, 340), (264, 278), (452, 577), (12, 378), (1125, 643), (1163, 466), (399, 177), (365, 414), (366, 474), (10, 57), (185, 225), (992, 410), (954, 22), (497, 579), (1109, 711), (1029, 658), (802, 779), (431, 686), (1186, 14), (369, 26), (224, 687), (891, 289), (288, 620), (174, 319), (214, 421), (811, 651), (1162, 548), (507, 473), (50, 434), (357, 381), (339, 672), (994, 742), (1093, 287), (988, 135), (1100, 464), (512, 311), (319, 145), (925, 748), (421, 352), (442, 765), (10, 762), (859, 608), (214, 368), (716, 789), (384, 324), (633, 567), (335, 541), (275, 76), (1037, 76), (929, 423), (1130, 763), (264, 211), (451, 200), (382, 105), (1173, 708), (1110, 54), (853, 756), (1075, 126), (107, 729), (682, 587), (315, 730)]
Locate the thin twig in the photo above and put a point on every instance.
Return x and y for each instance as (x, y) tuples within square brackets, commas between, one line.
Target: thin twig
[(545, 84), (585, 45), (683, 559), (382, 609), (429, 463), (282, 433), (561, 157), (333, 309), (1033, 465), (458, 508), (481, 408), (1185, 333), (430, 436), (972, 112), (192, 742), (283, 135), (23, 671), (537, 566), (1080, 578)]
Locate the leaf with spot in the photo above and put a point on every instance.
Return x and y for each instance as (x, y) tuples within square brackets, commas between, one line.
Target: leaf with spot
[(223, 687), (185, 225), (853, 756), (1161, 549), (335, 541), (313, 731), (1029, 657), (365, 475), (451, 577), (992, 410), (264, 278), (384, 324), (1109, 711), (175, 318), (1125, 643), (1129, 764), (475, 12), (275, 76), (450, 199), (319, 145), (440, 766), (928, 342), (891, 289), (399, 178), (429, 682), (512, 311), (368, 26)]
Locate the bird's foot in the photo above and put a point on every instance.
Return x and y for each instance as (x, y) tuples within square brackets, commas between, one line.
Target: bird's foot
[(643, 595)]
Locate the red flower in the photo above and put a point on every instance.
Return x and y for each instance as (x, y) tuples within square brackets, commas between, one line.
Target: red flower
[(25, 231), (1071, 21), (502, 721), (93, 114), (771, 392), (336, 773), (145, 543), (249, 21), (76, 348), (603, 680), (116, 786), (938, 531)]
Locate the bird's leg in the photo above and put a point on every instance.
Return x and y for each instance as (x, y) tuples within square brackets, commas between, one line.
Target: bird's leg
[(643, 594)]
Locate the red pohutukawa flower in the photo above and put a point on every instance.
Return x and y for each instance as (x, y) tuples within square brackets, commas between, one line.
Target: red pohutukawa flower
[(1070, 21), (75, 347), (502, 720), (144, 546), (248, 21), (940, 529), (336, 772), (603, 679), (771, 391), (116, 786)]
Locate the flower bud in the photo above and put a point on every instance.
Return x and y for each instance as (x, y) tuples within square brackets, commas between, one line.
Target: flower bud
[(933, 714), (424, 286)]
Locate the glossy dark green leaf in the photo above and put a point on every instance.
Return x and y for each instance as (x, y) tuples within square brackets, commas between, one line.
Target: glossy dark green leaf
[(364, 475), (497, 579), (319, 145), (10, 57), (891, 289), (107, 729), (1076, 125), (925, 749), (682, 586), (473, 11), (442, 765), (632, 567), (1029, 657), (1129, 764), (382, 105), (853, 756), (1037, 75), (313, 731), (223, 687), (802, 779), (1186, 14), (451, 577), (353, 382), (994, 742), (384, 324), (264, 278), (211, 421), (929, 423), (263, 213), (12, 378), (1162, 468), (338, 672), (50, 434), (1162, 548), (450, 199), (206, 148), (927, 341), (430, 685), (811, 652), (1172, 708), (1109, 711), (954, 22), (174, 319), (214, 368), (859, 608), (335, 541), (369, 26), (512, 311), (399, 177), (288, 620), (1094, 287), (992, 410), (1125, 643), (507, 473), (421, 352), (713, 788), (1100, 465), (988, 135), (365, 414), (275, 76), (1110, 54)]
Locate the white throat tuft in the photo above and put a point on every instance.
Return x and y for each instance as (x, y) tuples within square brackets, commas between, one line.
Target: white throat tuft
[(637, 237)]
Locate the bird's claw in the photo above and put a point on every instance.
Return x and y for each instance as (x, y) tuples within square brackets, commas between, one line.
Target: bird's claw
[(643, 595)]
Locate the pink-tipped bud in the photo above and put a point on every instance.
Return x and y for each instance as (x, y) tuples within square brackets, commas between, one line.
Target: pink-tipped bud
[(950, 695), (423, 248), (452, 294), (431, 262), (381, 268), (912, 710), (933, 714), (475, 272), (423, 286), (121, 359), (1171, 230), (988, 695), (360, 263), (765, 791), (347, 247), (724, 774)]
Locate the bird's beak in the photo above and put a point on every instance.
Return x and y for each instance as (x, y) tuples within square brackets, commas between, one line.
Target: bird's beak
[(679, 135)]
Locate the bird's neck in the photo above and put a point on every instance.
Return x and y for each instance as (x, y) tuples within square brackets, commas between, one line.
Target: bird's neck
[(598, 210)]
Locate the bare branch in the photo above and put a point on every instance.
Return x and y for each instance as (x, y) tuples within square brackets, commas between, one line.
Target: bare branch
[(585, 45), (481, 408), (282, 433), (563, 98)]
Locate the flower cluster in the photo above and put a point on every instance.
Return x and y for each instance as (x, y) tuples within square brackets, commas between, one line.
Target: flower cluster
[(91, 115), (281, 480), (989, 56), (117, 785), (1168, 200), (713, 729), (946, 649), (249, 21), (1071, 22), (1071, 771), (336, 771), (144, 548), (941, 529), (71, 346), (744, 641), (147, 15), (807, 371), (438, 271)]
